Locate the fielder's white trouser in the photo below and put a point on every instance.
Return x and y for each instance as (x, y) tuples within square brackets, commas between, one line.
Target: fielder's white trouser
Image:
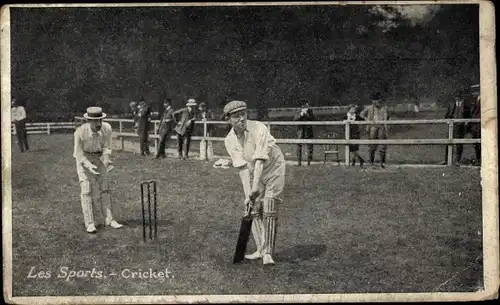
[(91, 183), (265, 214)]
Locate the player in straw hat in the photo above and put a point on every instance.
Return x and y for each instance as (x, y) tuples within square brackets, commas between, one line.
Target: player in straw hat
[(92, 151), (254, 152)]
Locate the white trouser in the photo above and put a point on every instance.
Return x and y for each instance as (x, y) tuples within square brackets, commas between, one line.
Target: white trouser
[(91, 184)]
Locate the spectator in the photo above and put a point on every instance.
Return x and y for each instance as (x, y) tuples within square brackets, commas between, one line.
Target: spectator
[(144, 125), (206, 149), (475, 128), (457, 110), (167, 124), (134, 110), (185, 128), (353, 115), (376, 112), (305, 131), (18, 117)]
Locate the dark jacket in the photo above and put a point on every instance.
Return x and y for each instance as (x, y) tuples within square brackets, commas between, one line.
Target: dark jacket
[(305, 131), (144, 117), (184, 126), (167, 121)]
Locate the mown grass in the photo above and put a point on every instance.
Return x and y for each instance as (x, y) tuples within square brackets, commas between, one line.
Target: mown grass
[(341, 230)]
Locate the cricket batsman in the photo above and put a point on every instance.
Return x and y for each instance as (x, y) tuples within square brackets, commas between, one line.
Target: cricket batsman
[(254, 152), (92, 151)]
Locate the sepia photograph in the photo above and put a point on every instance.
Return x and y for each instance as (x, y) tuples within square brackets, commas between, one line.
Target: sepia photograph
[(249, 152)]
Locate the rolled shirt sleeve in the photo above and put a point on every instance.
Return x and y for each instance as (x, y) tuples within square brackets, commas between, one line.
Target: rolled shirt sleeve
[(78, 147), (262, 140), (106, 149), (235, 153)]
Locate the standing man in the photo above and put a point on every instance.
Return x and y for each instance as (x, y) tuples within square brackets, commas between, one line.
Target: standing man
[(167, 124), (92, 151), (376, 112), (144, 120), (254, 152), (352, 116), (457, 110), (475, 128), (206, 149), (185, 127), (18, 118), (135, 111), (304, 131)]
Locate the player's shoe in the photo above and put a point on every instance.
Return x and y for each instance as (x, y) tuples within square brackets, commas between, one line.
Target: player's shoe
[(256, 255), (268, 259), (114, 224), (91, 229)]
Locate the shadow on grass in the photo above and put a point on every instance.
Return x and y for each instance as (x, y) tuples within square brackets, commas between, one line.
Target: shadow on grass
[(301, 253), (136, 223)]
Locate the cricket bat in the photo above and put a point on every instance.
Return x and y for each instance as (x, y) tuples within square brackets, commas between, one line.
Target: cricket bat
[(241, 245)]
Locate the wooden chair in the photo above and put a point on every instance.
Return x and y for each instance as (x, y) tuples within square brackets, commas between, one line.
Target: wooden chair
[(331, 149)]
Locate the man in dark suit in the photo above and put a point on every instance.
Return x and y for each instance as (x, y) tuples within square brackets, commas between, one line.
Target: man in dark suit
[(458, 110), (167, 124), (185, 127), (475, 128), (305, 131), (144, 120)]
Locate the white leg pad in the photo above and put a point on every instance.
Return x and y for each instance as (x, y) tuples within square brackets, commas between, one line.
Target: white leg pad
[(86, 200)]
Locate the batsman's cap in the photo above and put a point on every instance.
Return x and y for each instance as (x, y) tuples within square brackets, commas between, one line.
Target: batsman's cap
[(234, 106), (191, 102), (375, 96), (94, 113)]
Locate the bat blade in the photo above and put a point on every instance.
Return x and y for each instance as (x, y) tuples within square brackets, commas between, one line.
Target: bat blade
[(241, 245)]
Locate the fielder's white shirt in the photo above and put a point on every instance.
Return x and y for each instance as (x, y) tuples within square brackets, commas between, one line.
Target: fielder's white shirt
[(257, 144), (88, 141), (18, 113)]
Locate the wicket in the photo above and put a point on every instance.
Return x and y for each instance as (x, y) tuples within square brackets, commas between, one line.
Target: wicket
[(149, 186)]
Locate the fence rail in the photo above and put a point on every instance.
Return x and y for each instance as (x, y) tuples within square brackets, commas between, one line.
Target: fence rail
[(44, 128), (450, 141)]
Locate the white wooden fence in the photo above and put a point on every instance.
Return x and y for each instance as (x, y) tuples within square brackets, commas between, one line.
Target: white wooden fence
[(45, 128), (449, 141)]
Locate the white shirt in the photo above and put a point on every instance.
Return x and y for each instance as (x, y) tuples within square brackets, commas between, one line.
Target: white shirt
[(86, 141), (257, 144), (17, 114)]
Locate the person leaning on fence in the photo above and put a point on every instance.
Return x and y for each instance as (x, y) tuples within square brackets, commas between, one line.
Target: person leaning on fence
[(206, 149), (457, 110), (144, 125), (166, 127), (185, 128), (351, 116), (254, 152), (18, 117), (92, 152), (305, 131), (376, 112)]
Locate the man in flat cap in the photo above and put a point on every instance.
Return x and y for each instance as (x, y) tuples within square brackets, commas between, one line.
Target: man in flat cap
[(254, 152), (305, 131), (475, 128), (377, 111), (185, 127), (92, 152)]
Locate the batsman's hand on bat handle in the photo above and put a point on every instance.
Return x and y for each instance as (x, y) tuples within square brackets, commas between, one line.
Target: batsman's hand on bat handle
[(248, 206), (91, 167)]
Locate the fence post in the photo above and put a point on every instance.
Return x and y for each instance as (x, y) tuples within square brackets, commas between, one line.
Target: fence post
[(205, 142), (347, 137), (48, 128), (450, 146), (121, 126)]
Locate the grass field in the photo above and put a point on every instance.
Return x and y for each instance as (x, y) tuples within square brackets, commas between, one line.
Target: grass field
[(341, 230)]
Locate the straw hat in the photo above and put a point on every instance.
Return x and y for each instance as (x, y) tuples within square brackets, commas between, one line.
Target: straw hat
[(94, 113), (191, 102)]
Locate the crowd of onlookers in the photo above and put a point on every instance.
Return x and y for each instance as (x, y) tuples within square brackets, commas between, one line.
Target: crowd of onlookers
[(465, 104)]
